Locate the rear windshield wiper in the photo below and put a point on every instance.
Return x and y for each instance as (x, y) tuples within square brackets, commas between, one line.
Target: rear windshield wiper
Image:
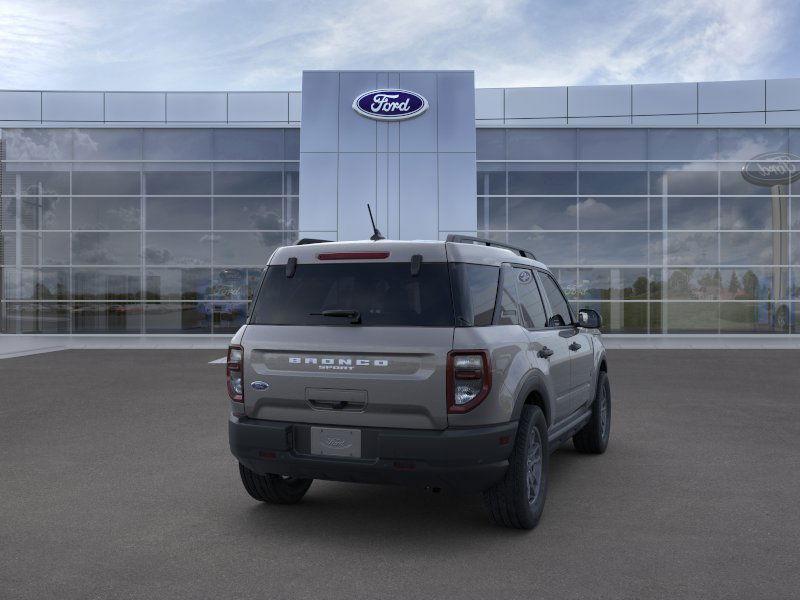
[(353, 315)]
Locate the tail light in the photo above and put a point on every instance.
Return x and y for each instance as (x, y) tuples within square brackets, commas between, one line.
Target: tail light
[(469, 379), (235, 372)]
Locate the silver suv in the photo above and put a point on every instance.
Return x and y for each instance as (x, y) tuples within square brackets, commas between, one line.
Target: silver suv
[(456, 364)]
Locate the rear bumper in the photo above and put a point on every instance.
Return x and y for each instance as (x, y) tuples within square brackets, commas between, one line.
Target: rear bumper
[(457, 459)]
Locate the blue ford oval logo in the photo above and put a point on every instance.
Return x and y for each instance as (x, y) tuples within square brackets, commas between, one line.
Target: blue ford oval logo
[(772, 168), (259, 385), (390, 105)]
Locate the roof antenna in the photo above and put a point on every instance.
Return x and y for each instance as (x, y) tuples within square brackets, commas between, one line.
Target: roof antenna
[(376, 233)]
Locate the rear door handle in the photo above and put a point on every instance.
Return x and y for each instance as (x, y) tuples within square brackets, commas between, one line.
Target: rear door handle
[(574, 346), (545, 352)]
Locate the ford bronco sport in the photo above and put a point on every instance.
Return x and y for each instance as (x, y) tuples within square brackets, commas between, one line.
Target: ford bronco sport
[(456, 364)]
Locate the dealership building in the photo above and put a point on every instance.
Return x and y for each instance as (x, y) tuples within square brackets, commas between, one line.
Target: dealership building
[(671, 209)]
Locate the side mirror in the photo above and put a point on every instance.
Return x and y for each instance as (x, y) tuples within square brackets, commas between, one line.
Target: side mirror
[(589, 319)]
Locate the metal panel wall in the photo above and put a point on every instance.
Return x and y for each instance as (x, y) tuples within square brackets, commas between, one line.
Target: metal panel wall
[(418, 174)]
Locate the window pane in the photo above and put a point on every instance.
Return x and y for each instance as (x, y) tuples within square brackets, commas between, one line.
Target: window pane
[(248, 213), (683, 183), (568, 280), (522, 181), (692, 248), (541, 144), (491, 179), (178, 183), (291, 144), (118, 183), (550, 248), (174, 212), (746, 144), (530, 300), (613, 284), (749, 248), (692, 213), (291, 179), (613, 248), (178, 284), (105, 213), (754, 283), (38, 144), (106, 284), (754, 213), (44, 212), (8, 214), (176, 317), (178, 248), (693, 284), (34, 317), (542, 213), (490, 144), (235, 284), (608, 144), (747, 317), (178, 144), (613, 182), (36, 284), (474, 293), (248, 144), (36, 183), (691, 317), (229, 317), (245, 248), (682, 144), (106, 317), (621, 317), (492, 213), (559, 307), (612, 213), (116, 248), (107, 144), (49, 248), (249, 182), (733, 182)]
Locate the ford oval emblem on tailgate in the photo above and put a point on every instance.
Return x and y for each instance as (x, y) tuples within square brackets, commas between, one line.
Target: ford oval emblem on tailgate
[(259, 385)]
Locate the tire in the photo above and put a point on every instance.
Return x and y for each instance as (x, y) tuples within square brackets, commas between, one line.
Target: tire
[(518, 500), (274, 489), (593, 437)]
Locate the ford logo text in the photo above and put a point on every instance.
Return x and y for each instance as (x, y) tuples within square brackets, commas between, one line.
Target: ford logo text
[(772, 168), (390, 105)]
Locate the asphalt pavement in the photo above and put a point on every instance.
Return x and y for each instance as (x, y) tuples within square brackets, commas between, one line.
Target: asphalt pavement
[(116, 482)]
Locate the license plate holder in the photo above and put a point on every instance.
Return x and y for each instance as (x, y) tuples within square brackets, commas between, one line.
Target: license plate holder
[(334, 441)]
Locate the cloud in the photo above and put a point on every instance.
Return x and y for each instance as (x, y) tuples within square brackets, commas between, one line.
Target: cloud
[(205, 44)]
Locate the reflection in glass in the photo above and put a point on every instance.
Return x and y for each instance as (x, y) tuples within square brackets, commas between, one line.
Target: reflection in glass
[(248, 144), (117, 183), (178, 248), (250, 182), (235, 283), (620, 317), (542, 213), (612, 144), (693, 284), (178, 144), (491, 179), (174, 212), (178, 317), (755, 283), (754, 213), (492, 213), (550, 248), (105, 213), (38, 144), (613, 284), (612, 213), (44, 248), (613, 249), (755, 248), (692, 213), (36, 317), (229, 317), (105, 248), (107, 317), (692, 248), (491, 144), (674, 180), (107, 144), (178, 284), (682, 144), (747, 317), (44, 212), (177, 183), (522, 181), (36, 183), (36, 284), (541, 144), (613, 182), (248, 213), (245, 248), (106, 284), (690, 317)]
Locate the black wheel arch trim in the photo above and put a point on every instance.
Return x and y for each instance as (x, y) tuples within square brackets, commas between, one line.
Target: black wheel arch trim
[(534, 381)]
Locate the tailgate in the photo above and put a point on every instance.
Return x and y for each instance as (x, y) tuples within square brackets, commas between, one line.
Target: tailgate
[(357, 376)]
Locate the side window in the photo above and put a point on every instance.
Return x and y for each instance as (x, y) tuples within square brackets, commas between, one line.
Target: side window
[(558, 304), (530, 300), (508, 298)]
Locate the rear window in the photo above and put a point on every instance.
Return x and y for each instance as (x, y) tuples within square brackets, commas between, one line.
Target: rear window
[(384, 294)]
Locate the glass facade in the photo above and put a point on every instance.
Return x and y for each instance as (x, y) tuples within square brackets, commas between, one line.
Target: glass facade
[(141, 230), (159, 230), (656, 229)]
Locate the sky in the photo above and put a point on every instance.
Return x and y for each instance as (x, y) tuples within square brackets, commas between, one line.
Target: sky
[(264, 45)]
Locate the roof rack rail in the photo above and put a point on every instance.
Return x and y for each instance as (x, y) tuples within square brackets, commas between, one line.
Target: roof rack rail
[(468, 239), (304, 241)]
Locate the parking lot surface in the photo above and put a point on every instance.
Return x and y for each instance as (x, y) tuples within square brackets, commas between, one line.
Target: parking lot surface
[(116, 482)]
